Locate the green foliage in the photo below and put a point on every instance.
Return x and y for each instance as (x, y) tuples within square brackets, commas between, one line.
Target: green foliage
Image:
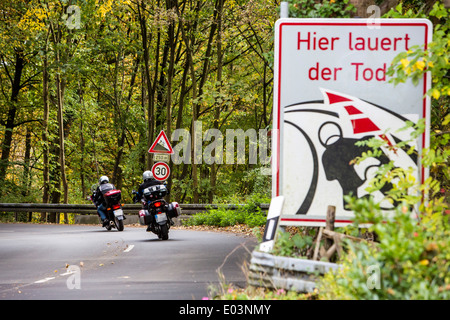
[(107, 95), (295, 245), (411, 66), (411, 261), (249, 214), (418, 60), (322, 9)]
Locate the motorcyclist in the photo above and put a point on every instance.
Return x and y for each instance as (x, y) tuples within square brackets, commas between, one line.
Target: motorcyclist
[(98, 198), (149, 181)]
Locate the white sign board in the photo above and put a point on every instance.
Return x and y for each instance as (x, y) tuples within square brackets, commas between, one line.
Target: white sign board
[(330, 91)]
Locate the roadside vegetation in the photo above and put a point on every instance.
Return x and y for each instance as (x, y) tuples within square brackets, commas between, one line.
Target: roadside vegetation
[(410, 259)]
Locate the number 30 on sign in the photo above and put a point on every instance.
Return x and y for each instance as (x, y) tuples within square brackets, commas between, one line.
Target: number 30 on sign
[(161, 171)]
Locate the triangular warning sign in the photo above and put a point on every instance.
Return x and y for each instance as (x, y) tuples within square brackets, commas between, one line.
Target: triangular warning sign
[(161, 144)]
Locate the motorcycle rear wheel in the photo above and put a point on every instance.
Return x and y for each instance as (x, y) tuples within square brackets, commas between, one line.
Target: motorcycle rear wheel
[(119, 224), (164, 232)]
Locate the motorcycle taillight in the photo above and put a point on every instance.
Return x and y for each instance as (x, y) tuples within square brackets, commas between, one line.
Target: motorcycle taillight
[(157, 204), (115, 207)]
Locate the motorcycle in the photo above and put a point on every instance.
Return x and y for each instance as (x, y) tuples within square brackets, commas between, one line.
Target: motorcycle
[(157, 213), (114, 211)]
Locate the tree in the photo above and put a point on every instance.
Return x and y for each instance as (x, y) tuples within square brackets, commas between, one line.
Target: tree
[(102, 78)]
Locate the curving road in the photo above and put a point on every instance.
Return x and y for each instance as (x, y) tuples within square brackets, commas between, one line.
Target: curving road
[(133, 264)]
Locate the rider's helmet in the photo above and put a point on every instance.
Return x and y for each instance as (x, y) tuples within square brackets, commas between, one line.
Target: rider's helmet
[(147, 175), (103, 179)]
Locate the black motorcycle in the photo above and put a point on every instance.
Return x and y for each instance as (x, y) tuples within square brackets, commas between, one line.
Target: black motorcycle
[(157, 213)]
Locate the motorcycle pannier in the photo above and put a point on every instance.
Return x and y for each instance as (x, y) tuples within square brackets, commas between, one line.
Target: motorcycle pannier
[(174, 210), (145, 218)]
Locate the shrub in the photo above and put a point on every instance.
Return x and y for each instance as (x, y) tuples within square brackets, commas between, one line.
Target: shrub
[(249, 214), (412, 260)]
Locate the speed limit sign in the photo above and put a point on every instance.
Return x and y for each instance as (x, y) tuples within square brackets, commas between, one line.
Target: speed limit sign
[(160, 171)]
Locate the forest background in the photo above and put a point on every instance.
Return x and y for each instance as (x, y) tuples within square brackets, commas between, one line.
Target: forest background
[(86, 86)]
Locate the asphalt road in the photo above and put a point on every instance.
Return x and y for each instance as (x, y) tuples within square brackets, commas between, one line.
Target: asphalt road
[(133, 264)]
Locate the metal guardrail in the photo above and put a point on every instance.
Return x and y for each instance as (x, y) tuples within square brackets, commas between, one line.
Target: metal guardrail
[(301, 275), (187, 209)]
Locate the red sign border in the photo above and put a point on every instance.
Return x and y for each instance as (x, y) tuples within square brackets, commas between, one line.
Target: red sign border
[(162, 133)]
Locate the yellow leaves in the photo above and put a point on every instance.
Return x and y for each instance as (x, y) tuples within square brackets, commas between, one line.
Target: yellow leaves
[(390, 291), (404, 62), (419, 65), (105, 8), (406, 65), (409, 67), (424, 262), (446, 120), (435, 93), (33, 19)]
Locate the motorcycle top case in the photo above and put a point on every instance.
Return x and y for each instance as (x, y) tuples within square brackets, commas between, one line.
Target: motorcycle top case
[(145, 218), (113, 197), (155, 192)]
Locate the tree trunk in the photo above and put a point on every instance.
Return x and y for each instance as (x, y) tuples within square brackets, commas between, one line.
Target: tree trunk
[(150, 90), (60, 86), (82, 142), (214, 166), (45, 140), (194, 110), (26, 182), (10, 125), (171, 41)]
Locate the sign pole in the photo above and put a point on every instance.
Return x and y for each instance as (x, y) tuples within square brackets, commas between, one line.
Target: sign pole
[(284, 9)]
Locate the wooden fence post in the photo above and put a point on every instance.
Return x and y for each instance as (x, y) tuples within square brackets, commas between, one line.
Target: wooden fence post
[(331, 215)]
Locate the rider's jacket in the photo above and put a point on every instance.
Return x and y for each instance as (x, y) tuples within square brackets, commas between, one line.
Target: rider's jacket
[(99, 193)]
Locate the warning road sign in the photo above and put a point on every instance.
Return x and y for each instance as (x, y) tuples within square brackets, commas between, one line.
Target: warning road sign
[(161, 171), (331, 91), (161, 144)]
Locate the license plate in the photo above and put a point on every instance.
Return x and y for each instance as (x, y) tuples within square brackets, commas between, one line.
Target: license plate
[(118, 212), (161, 217)]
